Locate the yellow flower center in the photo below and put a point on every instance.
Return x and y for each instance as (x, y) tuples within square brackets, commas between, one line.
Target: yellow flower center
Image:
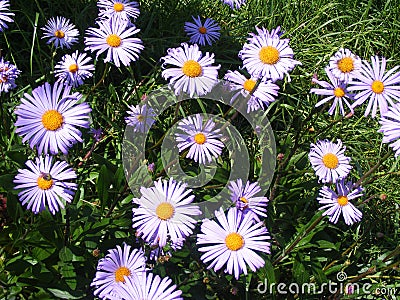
[(52, 120), (269, 55), (45, 182), (113, 40), (192, 68), (59, 34), (118, 6), (140, 118), (377, 87), (249, 85), (73, 68), (330, 160), (200, 138), (165, 211), (346, 64), (339, 92), (120, 273), (342, 200), (244, 200), (234, 241), (203, 30)]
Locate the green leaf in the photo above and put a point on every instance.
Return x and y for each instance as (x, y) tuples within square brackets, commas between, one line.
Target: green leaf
[(103, 185), (62, 294)]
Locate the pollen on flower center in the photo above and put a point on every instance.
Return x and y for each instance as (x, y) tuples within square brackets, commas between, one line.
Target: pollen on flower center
[(52, 120), (140, 118), (339, 92), (165, 211), (202, 30), (342, 200), (377, 86), (200, 138), (244, 200), (330, 160), (45, 182), (73, 68), (113, 40), (249, 85), (234, 241), (346, 64), (118, 6), (120, 273), (192, 68), (269, 55), (59, 34)]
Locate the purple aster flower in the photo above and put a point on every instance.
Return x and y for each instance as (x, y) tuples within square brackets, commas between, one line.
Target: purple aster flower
[(5, 14), (200, 33), (193, 73), (49, 119), (234, 4), (376, 85), (8, 74), (149, 287), (120, 9), (203, 140), (115, 38), (74, 69), (233, 241), (141, 118), (45, 184), (244, 200), (336, 90), (60, 31), (96, 134), (118, 266), (261, 95), (391, 128), (339, 202), (345, 65), (164, 212), (266, 56), (151, 167), (328, 160)]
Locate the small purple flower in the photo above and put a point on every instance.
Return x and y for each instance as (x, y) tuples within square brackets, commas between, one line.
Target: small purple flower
[(337, 202), (376, 86), (50, 117), (141, 117), (61, 31), (261, 95), (267, 56), (200, 33), (190, 71), (8, 74), (151, 167), (45, 184), (328, 160), (164, 212), (203, 140), (120, 9), (336, 90), (114, 37), (96, 134), (233, 241), (243, 198), (116, 267), (74, 69)]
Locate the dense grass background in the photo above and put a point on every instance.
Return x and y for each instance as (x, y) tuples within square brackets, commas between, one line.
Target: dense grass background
[(51, 257)]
